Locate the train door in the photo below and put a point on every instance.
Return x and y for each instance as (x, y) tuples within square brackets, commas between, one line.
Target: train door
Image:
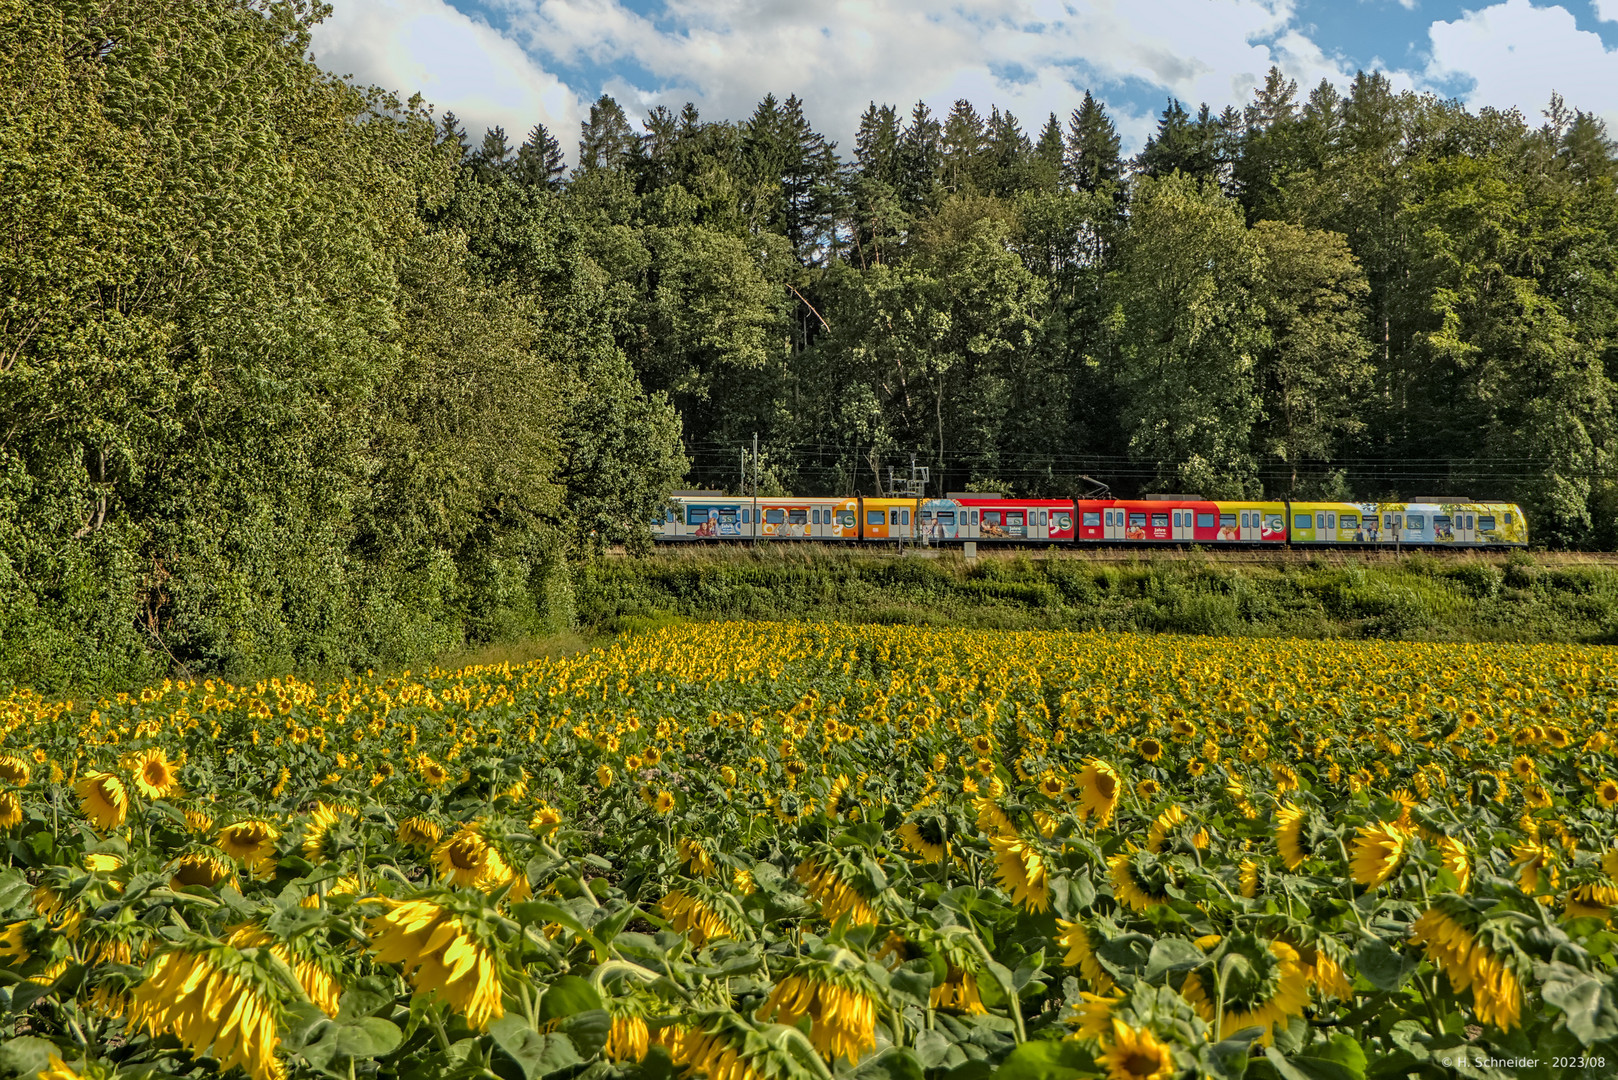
[(1183, 524), (1466, 527), (1039, 523), (1113, 523), (1391, 525), (1252, 525)]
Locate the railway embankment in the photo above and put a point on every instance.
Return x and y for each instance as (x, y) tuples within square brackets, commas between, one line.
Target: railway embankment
[(1478, 596)]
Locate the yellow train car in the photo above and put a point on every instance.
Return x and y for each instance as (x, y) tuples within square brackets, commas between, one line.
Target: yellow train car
[(888, 519), (1428, 522)]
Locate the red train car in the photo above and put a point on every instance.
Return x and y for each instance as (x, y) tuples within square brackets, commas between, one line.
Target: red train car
[(1182, 519)]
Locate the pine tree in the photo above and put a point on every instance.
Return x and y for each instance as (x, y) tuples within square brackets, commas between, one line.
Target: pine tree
[(493, 156), (876, 146), (1091, 162), (606, 140), (1007, 154), (452, 136), (1268, 145), (539, 160), (921, 156), (1049, 153), (963, 147), (1183, 143)]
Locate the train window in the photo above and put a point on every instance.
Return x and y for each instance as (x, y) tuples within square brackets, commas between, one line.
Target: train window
[(974, 517), (1320, 520), (1137, 521), (1276, 523), (774, 517), (1063, 521), (926, 517), (798, 517), (1091, 518), (946, 517), (846, 518), (746, 519), (1044, 517), (1387, 521), (990, 517), (1486, 522), (1469, 524), (875, 517), (1014, 518), (1331, 521), (814, 515), (1207, 521), (1415, 521), (1442, 521), (1510, 518), (1227, 521), (1300, 521), (904, 517), (1350, 521), (1160, 521)]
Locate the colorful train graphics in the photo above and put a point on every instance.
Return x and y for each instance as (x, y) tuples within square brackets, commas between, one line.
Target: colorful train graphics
[(987, 517)]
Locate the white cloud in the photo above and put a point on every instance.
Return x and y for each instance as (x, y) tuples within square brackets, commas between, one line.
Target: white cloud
[(1606, 10), (1031, 56), (458, 63), (1517, 54)]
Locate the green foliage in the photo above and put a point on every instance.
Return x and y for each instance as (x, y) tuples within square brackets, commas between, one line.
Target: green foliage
[(295, 375), (1417, 598)]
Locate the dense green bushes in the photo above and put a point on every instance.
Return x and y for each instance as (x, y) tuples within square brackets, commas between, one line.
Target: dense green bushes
[(1417, 597)]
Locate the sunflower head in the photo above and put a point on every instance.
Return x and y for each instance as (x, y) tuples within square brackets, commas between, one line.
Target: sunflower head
[(1135, 1054), (201, 867), (1378, 851), (154, 774), (1265, 984), (14, 770), (251, 841), (104, 799)]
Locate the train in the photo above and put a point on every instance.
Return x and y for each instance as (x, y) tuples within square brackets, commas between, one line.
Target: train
[(986, 517)]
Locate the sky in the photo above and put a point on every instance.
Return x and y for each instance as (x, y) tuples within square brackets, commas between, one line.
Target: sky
[(518, 62)]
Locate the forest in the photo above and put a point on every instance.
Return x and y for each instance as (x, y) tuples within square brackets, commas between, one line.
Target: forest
[(298, 375)]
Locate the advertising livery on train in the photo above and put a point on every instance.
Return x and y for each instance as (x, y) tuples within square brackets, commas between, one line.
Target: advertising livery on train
[(988, 517)]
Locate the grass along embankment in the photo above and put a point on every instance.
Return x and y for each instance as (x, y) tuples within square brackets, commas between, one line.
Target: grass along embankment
[(1484, 597)]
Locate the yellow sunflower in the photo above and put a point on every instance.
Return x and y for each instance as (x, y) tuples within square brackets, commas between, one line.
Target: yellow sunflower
[(924, 839), (463, 858), (154, 774), (103, 798), (1021, 871), (842, 1013), (194, 997), (1135, 1054), (1098, 791), (14, 770), (1289, 823), (1075, 938), (1378, 851), (440, 956), (10, 810), (1454, 949)]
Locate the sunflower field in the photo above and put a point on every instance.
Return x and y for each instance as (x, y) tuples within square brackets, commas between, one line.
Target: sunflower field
[(779, 851)]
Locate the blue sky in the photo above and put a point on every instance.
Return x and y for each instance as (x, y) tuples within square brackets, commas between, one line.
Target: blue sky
[(515, 62)]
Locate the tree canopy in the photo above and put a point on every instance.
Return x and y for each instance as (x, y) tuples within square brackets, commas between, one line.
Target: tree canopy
[(296, 374)]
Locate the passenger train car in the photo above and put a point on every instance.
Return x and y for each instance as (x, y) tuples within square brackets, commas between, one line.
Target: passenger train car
[(990, 518)]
